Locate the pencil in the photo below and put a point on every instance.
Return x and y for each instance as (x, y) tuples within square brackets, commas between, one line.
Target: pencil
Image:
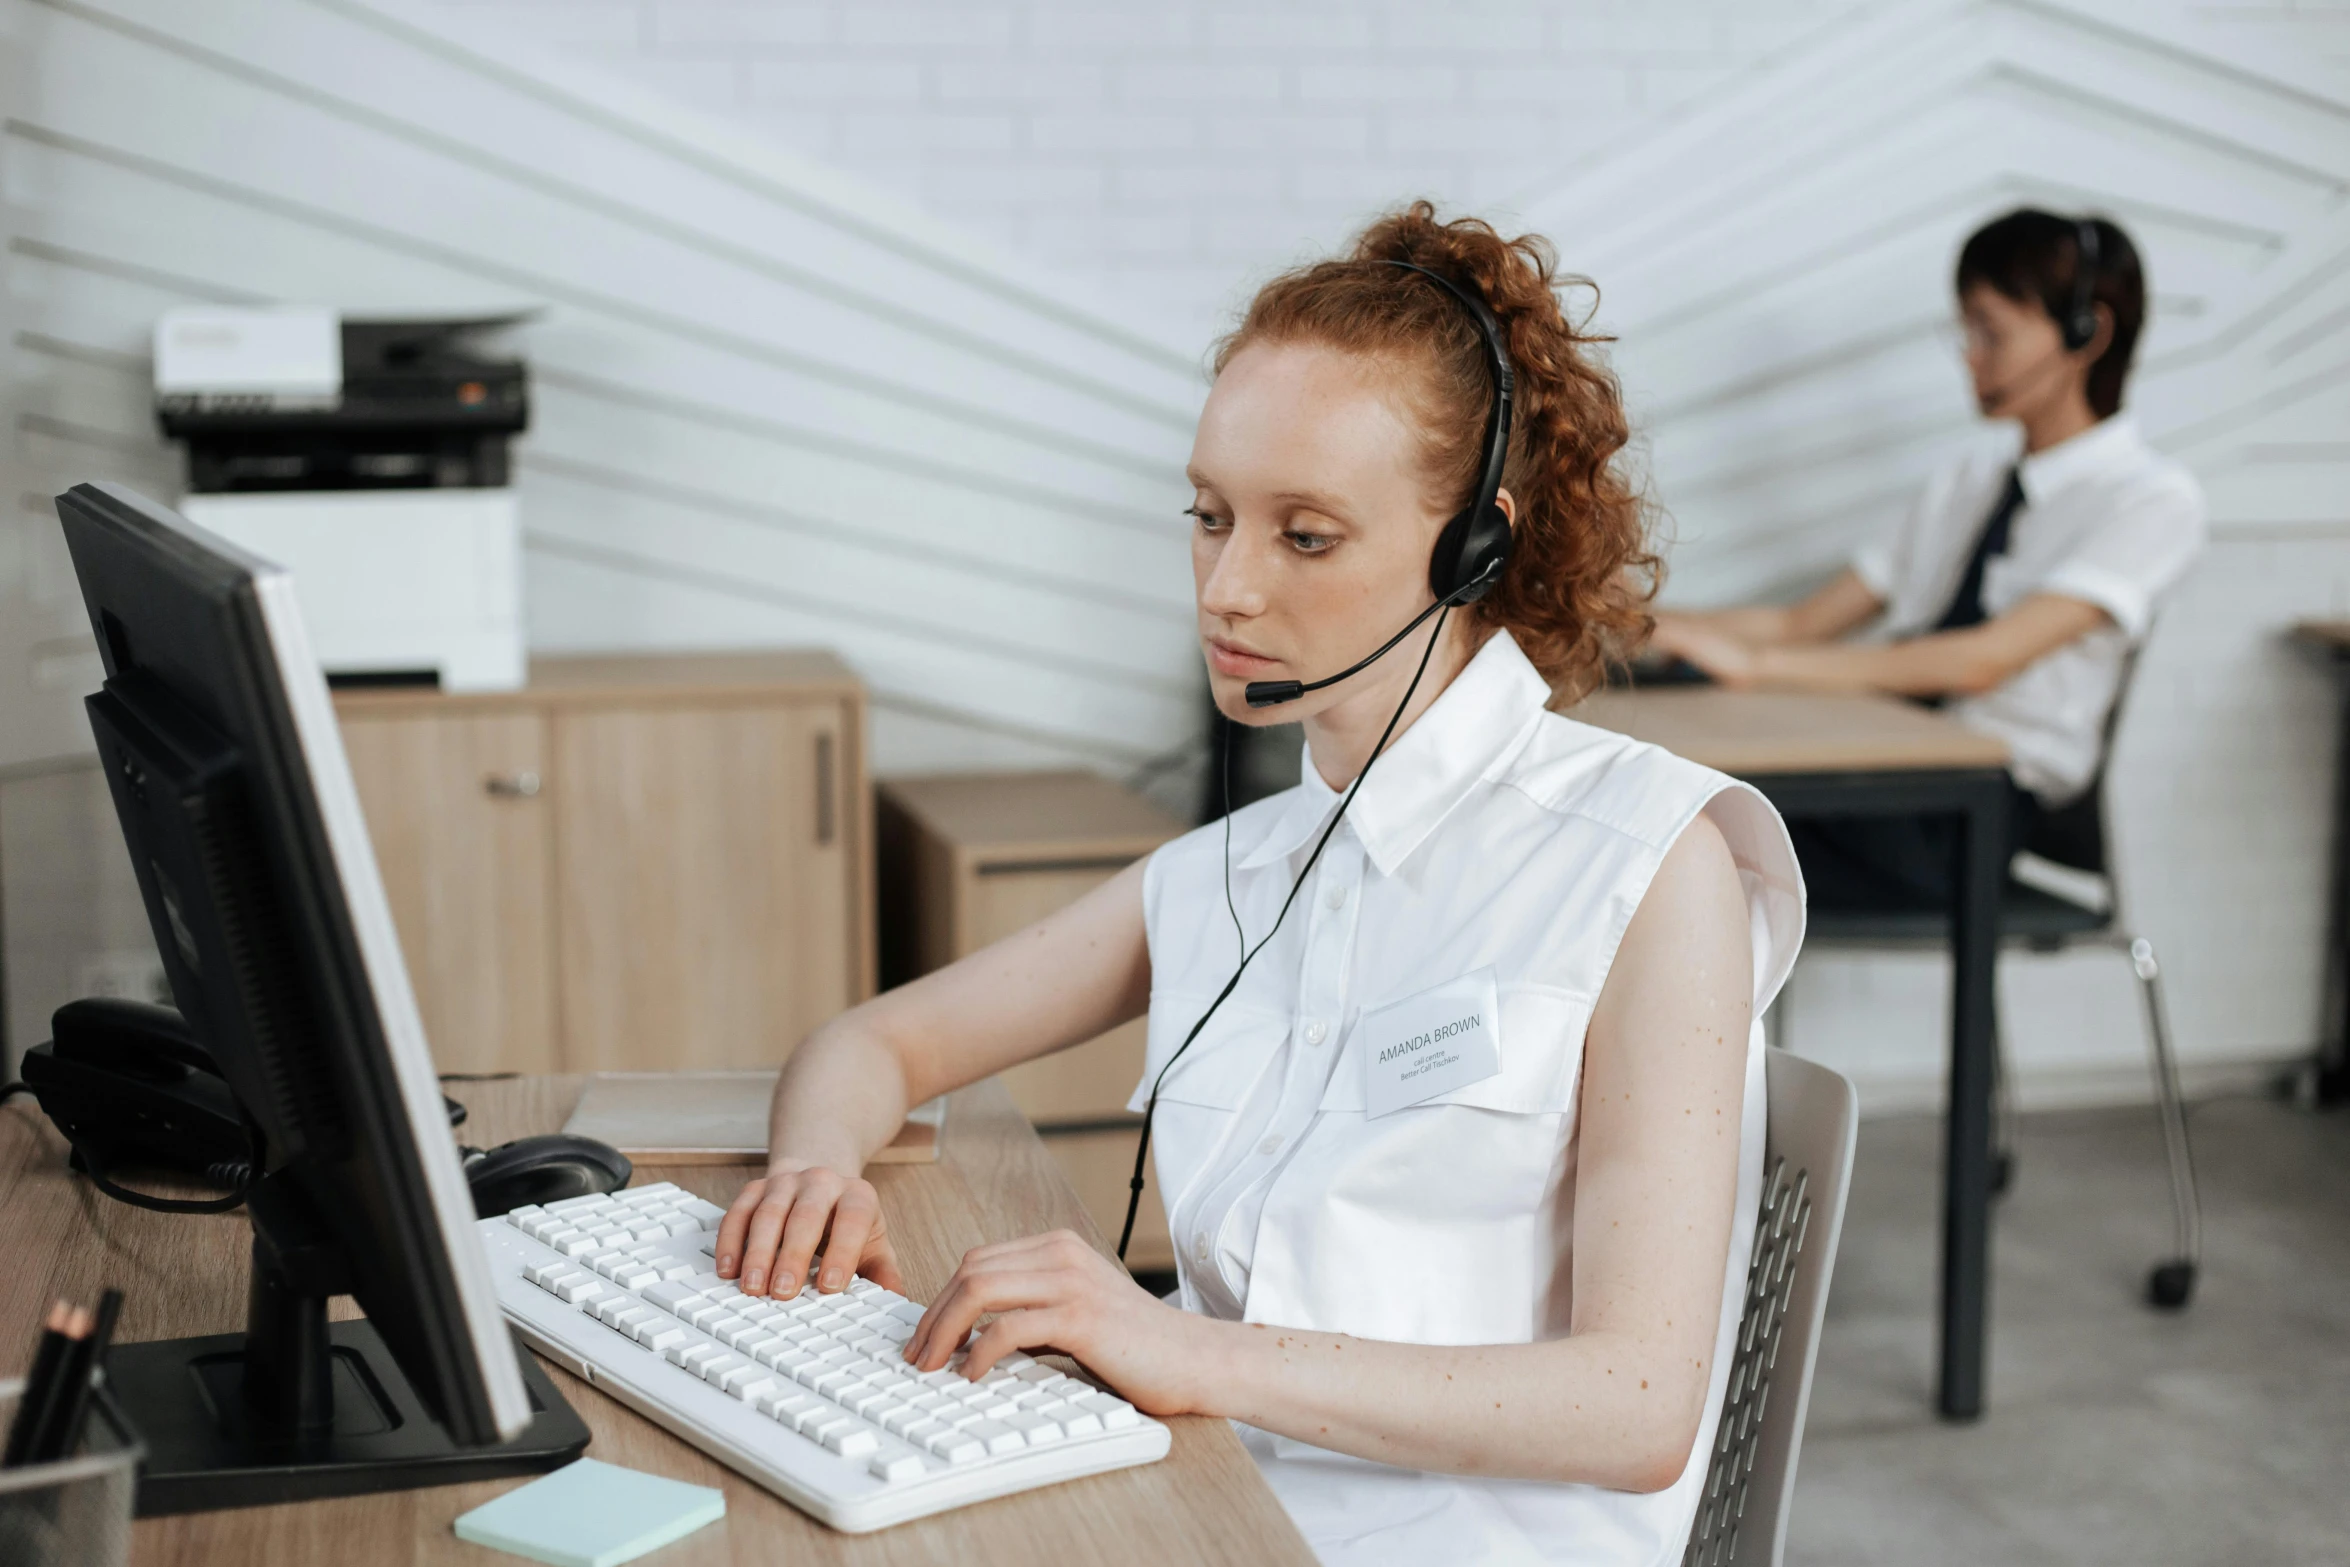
[(73, 1409), (40, 1387)]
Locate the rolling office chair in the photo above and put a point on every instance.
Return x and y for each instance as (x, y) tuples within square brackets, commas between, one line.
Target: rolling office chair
[(1807, 1169), (2074, 838)]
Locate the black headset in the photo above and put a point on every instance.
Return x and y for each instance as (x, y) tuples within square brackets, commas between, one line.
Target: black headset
[(2079, 323), (1468, 559)]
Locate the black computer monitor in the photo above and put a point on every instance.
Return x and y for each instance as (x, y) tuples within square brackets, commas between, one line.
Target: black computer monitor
[(220, 747)]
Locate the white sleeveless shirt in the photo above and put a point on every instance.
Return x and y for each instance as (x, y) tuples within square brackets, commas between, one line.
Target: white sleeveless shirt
[(1491, 835)]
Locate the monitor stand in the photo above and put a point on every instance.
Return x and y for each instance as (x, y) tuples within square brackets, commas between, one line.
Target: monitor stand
[(296, 1408)]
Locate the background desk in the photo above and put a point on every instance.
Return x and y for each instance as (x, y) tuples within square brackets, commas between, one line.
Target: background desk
[(1204, 1503), (2331, 639), (1824, 756)]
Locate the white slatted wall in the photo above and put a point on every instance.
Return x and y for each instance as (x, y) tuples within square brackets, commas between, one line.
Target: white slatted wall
[(1777, 267), (770, 408)]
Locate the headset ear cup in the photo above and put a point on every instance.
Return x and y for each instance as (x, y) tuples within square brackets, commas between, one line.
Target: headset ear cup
[(1470, 547)]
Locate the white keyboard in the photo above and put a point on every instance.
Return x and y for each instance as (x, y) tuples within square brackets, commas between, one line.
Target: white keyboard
[(812, 1397)]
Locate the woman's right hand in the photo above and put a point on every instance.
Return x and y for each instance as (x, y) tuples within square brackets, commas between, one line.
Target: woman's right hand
[(772, 1232)]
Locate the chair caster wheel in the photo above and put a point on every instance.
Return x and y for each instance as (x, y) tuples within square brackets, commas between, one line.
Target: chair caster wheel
[(2170, 1284), (2002, 1173)]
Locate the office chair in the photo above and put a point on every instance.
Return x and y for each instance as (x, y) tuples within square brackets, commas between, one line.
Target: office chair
[(1807, 1169), (2075, 838)]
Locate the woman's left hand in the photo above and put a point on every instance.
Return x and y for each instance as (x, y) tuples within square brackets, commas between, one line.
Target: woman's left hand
[(1057, 1293)]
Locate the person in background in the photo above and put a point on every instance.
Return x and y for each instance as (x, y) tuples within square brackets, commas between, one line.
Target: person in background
[(2021, 580)]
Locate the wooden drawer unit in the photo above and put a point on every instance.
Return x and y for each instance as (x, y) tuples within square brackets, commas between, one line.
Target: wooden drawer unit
[(970, 859), (632, 862)]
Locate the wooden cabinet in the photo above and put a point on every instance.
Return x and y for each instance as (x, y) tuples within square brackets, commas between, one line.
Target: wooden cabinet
[(641, 863), (465, 842), (967, 860)]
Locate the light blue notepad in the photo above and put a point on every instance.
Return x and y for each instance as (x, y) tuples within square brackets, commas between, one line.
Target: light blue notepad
[(592, 1515)]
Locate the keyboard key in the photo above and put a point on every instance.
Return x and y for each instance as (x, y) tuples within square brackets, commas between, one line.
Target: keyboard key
[(708, 1212), (957, 1447), (544, 1274), (1034, 1428), (778, 1398), (691, 1353), (829, 1382), (811, 1421), (1116, 1414), (652, 1192), (998, 1437), (907, 1312), (581, 1289), (701, 1355), (669, 1296), (574, 1243), (636, 1277), (897, 1467), (867, 1402), (897, 1419), (661, 1333), (1071, 1419), (1034, 1371), (853, 1440), (743, 1381), (577, 1204)]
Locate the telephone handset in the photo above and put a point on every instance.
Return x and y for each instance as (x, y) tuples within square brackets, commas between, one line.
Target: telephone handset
[(130, 1083)]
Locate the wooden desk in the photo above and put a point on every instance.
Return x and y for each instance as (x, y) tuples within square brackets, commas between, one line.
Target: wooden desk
[(2331, 1071), (186, 1274), (1825, 756)]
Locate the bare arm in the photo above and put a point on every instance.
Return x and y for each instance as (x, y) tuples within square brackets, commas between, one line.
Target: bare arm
[(845, 1092), (1844, 603), (1943, 663), (1618, 1401)]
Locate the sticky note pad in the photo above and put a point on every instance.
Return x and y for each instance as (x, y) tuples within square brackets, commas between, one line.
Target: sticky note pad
[(592, 1515)]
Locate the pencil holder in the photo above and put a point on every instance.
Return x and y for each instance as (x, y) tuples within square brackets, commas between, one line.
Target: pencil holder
[(75, 1512)]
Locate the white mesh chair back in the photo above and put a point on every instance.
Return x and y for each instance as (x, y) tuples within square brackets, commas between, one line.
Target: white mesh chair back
[(1807, 1168)]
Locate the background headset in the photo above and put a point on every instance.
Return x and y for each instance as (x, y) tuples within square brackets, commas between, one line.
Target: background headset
[(1467, 561), (2079, 325)]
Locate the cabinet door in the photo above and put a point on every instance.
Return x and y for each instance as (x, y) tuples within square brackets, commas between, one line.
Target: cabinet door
[(458, 811), (1088, 1082), (704, 883)]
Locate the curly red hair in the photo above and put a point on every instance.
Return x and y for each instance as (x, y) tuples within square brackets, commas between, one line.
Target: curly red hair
[(1581, 571)]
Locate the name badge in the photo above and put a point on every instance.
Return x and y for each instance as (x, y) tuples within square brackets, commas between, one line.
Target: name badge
[(1431, 1043)]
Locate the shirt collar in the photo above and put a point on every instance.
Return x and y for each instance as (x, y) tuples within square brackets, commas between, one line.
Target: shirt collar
[(1474, 725), (2104, 446)]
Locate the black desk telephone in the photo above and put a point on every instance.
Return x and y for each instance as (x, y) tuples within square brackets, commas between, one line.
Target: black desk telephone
[(130, 1084)]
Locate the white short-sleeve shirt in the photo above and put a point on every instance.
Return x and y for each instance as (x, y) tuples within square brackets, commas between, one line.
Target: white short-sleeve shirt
[(1492, 836), (2105, 519)]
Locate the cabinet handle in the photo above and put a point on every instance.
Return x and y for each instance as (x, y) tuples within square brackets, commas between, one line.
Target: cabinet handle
[(824, 799), (511, 786)]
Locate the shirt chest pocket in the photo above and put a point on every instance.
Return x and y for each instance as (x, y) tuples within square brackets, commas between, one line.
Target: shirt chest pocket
[(1541, 1060), (1223, 1063)]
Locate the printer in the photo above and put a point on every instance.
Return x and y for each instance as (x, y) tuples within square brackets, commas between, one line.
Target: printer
[(369, 458)]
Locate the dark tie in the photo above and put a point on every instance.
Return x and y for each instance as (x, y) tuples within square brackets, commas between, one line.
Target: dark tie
[(1966, 606)]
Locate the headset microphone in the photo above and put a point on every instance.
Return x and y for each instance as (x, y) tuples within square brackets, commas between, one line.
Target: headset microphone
[(1272, 693), (1467, 561)]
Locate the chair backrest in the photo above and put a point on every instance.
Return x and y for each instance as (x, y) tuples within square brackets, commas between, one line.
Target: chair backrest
[(1807, 1169), (2074, 835)]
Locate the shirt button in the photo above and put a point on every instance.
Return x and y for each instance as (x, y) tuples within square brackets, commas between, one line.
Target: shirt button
[(1199, 1249), (1316, 1032), (1335, 898), (1270, 1146)]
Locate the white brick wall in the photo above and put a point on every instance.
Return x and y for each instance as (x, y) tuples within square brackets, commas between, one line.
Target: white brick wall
[(1185, 147)]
